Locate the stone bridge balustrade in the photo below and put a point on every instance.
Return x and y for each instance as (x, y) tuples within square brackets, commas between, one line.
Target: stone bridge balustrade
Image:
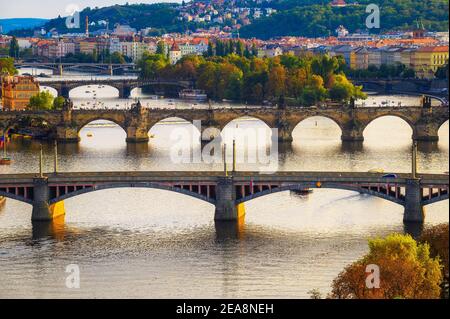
[(66, 124)]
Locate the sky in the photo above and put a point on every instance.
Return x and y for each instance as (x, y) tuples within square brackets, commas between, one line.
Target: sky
[(52, 8)]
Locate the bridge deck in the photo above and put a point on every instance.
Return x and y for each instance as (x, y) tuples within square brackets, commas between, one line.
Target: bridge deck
[(211, 176)]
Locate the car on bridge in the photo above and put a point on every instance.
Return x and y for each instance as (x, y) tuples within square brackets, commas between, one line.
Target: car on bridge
[(390, 176)]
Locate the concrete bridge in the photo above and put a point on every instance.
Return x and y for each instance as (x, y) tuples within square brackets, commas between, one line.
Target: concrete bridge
[(58, 68), (227, 193), (65, 125), (124, 86)]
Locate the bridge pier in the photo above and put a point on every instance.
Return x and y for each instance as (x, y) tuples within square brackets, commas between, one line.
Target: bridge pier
[(42, 210), (41, 196), (64, 92), (426, 133), (59, 70), (137, 135), (414, 212), (67, 134), (124, 92), (226, 207), (285, 135), (352, 135)]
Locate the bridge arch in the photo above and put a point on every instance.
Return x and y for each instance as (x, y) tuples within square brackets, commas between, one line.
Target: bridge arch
[(11, 123), (86, 122), (53, 91), (88, 87), (302, 186), (251, 117), (443, 123), (16, 197), (390, 117), (173, 120), (312, 122), (159, 186), (400, 116)]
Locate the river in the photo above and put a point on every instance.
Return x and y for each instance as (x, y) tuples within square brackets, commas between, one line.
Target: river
[(143, 243)]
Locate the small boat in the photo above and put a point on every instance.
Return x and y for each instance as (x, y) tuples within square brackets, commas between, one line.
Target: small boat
[(198, 95), (87, 92), (89, 134), (151, 135)]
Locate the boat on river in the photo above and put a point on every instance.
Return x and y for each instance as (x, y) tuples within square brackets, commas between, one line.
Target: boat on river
[(198, 95)]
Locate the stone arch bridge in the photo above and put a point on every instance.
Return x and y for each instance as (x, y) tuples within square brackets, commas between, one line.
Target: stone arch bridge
[(65, 125)]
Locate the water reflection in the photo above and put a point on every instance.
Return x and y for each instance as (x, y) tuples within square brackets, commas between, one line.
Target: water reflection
[(352, 147), (55, 229), (413, 229), (427, 147), (226, 230)]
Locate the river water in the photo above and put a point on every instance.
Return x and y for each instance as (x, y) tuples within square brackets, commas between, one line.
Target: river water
[(143, 243)]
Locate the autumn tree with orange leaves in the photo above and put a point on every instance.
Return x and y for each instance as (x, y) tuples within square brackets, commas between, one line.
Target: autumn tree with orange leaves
[(406, 271)]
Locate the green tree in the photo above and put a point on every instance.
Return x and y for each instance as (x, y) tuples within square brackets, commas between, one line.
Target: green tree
[(7, 66), (161, 48), (210, 51), (14, 48), (342, 90), (151, 65), (58, 103), (43, 101), (117, 58), (239, 48), (407, 271)]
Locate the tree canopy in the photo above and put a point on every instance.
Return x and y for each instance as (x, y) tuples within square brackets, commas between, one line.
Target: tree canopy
[(406, 271), (7, 66), (44, 101), (300, 80)]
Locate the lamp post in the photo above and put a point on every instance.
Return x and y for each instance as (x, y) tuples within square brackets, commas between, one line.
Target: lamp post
[(41, 170), (414, 160), (56, 158)]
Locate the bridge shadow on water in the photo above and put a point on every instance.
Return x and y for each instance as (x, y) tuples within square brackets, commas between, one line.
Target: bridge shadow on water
[(226, 230), (427, 147), (55, 229), (352, 147)]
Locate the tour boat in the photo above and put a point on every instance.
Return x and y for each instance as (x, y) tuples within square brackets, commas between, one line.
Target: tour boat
[(193, 95)]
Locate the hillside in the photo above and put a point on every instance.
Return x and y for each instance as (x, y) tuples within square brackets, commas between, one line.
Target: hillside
[(161, 16), (313, 19)]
